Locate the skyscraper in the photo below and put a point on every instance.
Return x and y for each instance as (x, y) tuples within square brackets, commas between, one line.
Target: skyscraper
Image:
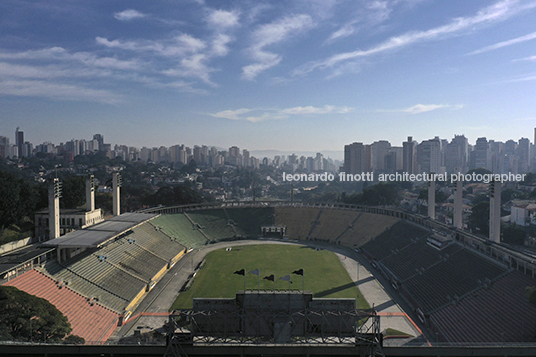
[(409, 156), (357, 158), (19, 141)]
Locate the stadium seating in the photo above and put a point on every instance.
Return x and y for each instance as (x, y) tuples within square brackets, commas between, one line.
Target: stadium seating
[(364, 227), (181, 229), (298, 221), (332, 223), (248, 221), (396, 237), (214, 223), (461, 274), (88, 320), (500, 313), (121, 271)]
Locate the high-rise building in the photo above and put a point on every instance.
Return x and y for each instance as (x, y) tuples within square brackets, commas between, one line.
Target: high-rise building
[(379, 150), (456, 154), (19, 141), (408, 162), (523, 155), (481, 155), (99, 138), (429, 156), (357, 158)]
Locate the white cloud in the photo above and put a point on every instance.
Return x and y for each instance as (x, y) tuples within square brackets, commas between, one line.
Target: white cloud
[(223, 19), (496, 12), (530, 58), (128, 15), (231, 114), (270, 34), (316, 110), (422, 108), (273, 114), (345, 31), (38, 88), (219, 45), (511, 42)]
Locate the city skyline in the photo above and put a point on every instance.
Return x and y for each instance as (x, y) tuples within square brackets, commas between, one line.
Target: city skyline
[(289, 76)]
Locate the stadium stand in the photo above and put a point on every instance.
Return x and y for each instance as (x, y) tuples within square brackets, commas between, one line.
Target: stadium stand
[(364, 227), (414, 258), (181, 229), (120, 273), (298, 221), (89, 320), (332, 223), (395, 238), (213, 222), (501, 312), (462, 273), (248, 221)]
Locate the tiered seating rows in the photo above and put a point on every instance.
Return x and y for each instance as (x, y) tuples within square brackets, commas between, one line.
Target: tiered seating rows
[(250, 220), (213, 222), (85, 287), (93, 323), (457, 276), (366, 226), (181, 229), (104, 274), (149, 237), (298, 221), (133, 259), (500, 313), (396, 237), (332, 223)]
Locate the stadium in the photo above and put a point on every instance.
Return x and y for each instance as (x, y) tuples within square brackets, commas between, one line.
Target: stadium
[(425, 288)]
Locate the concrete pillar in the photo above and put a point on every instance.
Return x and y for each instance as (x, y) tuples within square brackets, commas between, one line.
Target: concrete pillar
[(116, 183), (458, 205), (495, 211), (54, 194), (90, 193), (431, 198)]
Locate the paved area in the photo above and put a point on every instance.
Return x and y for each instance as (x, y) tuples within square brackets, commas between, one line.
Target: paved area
[(151, 313)]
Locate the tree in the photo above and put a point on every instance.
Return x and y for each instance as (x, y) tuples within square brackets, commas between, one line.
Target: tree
[(513, 234), (479, 218), (24, 317)]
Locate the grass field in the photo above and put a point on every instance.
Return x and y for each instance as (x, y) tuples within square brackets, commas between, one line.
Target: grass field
[(324, 274)]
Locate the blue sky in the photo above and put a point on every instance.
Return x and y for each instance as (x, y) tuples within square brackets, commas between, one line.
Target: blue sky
[(284, 75)]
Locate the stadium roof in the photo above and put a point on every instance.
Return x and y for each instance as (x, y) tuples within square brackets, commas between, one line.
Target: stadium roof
[(17, 257), (95, 236)]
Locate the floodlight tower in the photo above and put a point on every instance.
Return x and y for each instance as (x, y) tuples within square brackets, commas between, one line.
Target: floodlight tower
[(495, 211), (54, 194), (431, 197), (116, 184), (90, 193), (458, 201)]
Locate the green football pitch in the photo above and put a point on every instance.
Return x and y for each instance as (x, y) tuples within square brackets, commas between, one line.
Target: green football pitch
[(324, 274)]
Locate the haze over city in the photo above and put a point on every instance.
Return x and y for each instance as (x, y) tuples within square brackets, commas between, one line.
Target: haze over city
[(287, 75)]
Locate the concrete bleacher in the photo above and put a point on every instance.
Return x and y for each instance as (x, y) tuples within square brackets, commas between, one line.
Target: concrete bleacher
[(461, 274), (332, 223), (364, 227), (181, 229), (93, 278), (501, 312), (415, 257), (248, 221), (89, 320), (213, 222), (398, 236), (120, 273), (298, 221)]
